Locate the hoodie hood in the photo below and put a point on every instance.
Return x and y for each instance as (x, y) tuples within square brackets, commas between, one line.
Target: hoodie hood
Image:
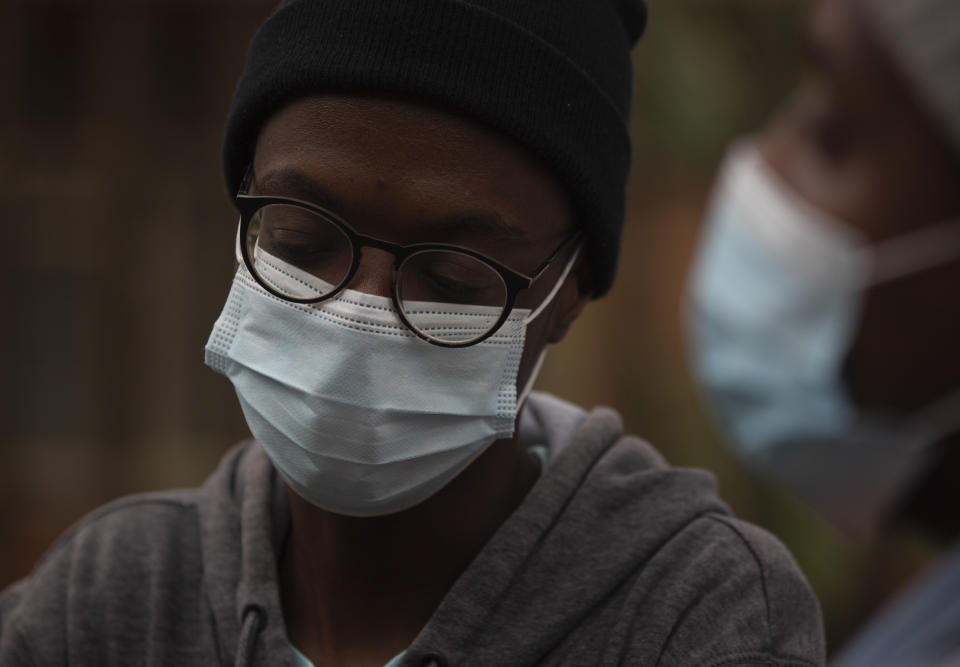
[(604, 505)]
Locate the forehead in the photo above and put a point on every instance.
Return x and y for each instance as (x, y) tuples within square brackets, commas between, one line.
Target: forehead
[(374, 155)]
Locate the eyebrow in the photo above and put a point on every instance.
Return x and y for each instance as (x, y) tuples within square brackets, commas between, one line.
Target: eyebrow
[(298, 184), (478, 222), (473, 223)]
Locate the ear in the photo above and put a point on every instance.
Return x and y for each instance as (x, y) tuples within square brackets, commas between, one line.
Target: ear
[(576, 293)]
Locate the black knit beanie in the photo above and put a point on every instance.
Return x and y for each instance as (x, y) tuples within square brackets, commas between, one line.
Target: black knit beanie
[(554, 75)]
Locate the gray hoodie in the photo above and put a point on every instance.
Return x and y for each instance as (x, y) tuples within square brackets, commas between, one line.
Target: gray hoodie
[(613, 558)]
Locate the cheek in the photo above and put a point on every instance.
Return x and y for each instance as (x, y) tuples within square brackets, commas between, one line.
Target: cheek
[(884, 190), (836, 175), (906, 353), (870, 170), (883, 174), (536, 340)]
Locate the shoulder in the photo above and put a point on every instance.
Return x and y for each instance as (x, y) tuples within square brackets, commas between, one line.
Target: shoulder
[(144, 531), (743, 598), (696, 586), (109, 568)]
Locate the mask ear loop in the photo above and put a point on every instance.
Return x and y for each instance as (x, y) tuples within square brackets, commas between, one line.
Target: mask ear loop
[(556, 288), (918, 251), (533, 378), (532, 316), (237, 252), (938, 420)]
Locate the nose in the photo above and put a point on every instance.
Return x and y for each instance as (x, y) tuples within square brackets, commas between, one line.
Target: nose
[(374, 273)]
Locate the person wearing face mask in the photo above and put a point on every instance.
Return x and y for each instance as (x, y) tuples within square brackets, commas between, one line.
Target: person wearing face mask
[(825, 298), (429, 194)]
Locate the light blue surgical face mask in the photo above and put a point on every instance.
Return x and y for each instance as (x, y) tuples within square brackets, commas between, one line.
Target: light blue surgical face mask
[(359, 415), (774, 303)]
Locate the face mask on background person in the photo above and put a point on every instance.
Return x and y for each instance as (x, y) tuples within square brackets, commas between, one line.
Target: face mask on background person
[(359, 415), (774, 304)]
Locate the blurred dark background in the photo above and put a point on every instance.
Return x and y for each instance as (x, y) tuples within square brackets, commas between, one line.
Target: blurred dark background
[(118, 252)]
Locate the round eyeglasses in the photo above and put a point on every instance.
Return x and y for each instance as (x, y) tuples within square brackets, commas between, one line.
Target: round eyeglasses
[(303, 253)]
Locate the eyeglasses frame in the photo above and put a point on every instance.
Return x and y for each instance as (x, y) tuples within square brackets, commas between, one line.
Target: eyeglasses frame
[(514, 281)]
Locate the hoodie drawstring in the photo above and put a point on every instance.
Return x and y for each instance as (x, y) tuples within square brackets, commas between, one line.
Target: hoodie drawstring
[(254, 619)]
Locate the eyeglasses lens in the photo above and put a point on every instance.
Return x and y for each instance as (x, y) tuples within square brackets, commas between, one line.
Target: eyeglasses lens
[(473, 295), (299, 253), (446, 295)]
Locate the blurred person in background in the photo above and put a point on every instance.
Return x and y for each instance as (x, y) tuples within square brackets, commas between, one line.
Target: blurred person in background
[(825, 299), (429, 195)]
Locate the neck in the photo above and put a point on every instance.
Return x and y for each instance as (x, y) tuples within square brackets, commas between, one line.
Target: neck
[(349, 583)]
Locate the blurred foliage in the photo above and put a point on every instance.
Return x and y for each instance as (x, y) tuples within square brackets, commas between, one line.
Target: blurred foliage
[(706, 71)]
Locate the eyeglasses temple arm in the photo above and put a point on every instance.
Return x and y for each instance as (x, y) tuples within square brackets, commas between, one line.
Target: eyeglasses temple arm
[(553, 256), (245, 182), (556, 287)]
